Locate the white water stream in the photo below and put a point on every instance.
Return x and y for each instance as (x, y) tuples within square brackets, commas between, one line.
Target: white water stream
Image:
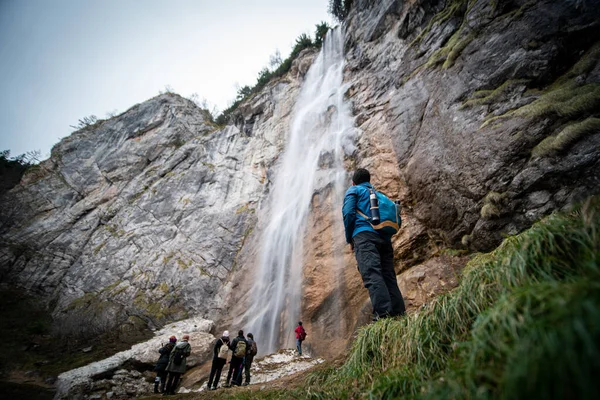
[(321, 131)]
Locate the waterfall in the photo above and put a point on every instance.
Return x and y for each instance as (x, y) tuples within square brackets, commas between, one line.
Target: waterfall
[(321, 131)]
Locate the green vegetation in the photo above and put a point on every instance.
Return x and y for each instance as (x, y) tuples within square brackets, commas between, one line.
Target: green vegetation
[(567, 98), (523, 323), (483, 97), (453, 8), (567, 136), (303, 41), (492, 205), (570, 100), (340, 8), (13, 168)]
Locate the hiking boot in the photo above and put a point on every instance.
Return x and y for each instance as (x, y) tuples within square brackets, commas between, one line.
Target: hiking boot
[(245, 383), (227, 385)]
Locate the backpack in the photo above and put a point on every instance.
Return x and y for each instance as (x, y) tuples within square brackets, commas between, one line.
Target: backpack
[(240, 349), (303, 334), (253, 349), (389, 214), (224, 350), (178, 356)]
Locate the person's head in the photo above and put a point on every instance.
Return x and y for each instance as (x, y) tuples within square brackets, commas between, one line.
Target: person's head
[(226, 334), (300, 323), (172, 339), (251, 336), (185, 338), (361, 176), (240, 333)]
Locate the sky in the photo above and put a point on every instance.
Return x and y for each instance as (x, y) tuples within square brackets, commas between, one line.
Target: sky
[(62, 60)]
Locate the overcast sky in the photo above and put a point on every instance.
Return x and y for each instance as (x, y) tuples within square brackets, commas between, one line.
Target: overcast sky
[(62, 60)]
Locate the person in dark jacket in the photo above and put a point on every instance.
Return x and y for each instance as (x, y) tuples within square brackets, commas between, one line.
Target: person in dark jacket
[(220, 352), (161, 365), (372, 249), (177, 366), (250, 353), (235, 366)]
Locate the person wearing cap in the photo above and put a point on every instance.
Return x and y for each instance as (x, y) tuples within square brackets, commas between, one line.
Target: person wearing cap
[(220, 353), (235, 365), (177, 368), (161, 365)]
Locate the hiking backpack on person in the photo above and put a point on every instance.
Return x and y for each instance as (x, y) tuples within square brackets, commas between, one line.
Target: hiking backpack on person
[(224, 350), (178, 356), (389, 214), (240, 349)]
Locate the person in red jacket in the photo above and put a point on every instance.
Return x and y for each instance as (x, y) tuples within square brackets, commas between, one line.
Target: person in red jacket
[(300, 336)]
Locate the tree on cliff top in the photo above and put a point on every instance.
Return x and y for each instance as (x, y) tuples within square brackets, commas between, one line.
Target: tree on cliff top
[(340, 8)]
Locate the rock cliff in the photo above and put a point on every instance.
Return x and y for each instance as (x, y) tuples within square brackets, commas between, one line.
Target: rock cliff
[(480, 116)]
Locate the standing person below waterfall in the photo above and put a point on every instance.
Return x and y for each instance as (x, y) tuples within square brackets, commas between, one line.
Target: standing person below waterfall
[(220, 354), (161, 365), (300, 336), (250, 353), (373, 250), (238, 347), (177, 363)]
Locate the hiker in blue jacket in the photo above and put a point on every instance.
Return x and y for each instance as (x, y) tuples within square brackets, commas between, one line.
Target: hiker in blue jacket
[(373, 250)]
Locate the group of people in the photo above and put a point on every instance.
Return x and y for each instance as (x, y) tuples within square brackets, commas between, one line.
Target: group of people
[(171, 364), (375, 258), (242, 352)]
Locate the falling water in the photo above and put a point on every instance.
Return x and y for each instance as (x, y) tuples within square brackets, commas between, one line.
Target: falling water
[(320, 133)]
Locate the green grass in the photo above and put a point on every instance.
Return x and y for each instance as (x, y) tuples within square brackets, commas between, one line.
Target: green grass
[(523, 323)]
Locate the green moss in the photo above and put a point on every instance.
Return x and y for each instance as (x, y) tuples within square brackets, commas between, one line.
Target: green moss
[(164, 288), (489, 211), (456, 49), (452, 9), (112, 230), (155, 309), (210, 166), (466, 240), (168, 258), (182, 264), (483, 97), (82, 302), (567, 137), (98, 248), (492, 205), (245, 208), (569, 101), (585, 64)]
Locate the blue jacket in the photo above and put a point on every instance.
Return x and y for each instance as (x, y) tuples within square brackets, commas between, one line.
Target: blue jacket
[(357, 197)]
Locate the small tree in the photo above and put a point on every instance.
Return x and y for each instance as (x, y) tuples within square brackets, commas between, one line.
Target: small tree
[(340, 8), (275, 60), (320, 33), (243, 92), (85, 122)]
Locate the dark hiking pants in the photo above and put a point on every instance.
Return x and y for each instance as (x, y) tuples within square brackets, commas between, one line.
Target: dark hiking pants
[(215, 372), (375, 258), (172, 382), (235, 367), (247, 364)]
